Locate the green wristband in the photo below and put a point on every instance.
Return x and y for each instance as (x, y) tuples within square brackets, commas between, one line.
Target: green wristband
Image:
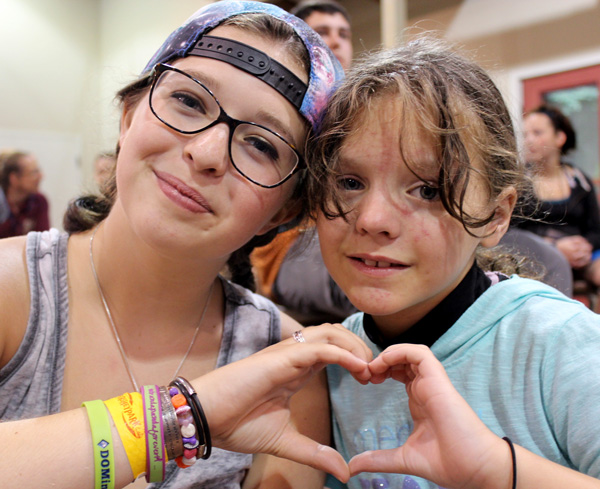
[(104, 459)]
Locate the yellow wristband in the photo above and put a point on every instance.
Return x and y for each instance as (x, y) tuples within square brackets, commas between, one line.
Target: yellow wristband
[(127, 411), (104, 460)]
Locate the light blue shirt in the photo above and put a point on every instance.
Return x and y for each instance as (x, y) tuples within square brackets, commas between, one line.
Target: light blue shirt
[(526, 359)]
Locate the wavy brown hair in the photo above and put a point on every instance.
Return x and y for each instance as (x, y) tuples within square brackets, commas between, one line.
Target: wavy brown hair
[(443, 95)]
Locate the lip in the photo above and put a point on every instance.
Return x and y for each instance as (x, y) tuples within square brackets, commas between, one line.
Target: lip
[(181, 194), (376, 264)]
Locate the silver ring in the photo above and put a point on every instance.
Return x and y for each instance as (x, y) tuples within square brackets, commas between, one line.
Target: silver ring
[(298, 337)]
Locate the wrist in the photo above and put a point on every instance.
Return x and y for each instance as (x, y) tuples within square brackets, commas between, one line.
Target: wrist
[(496, 469)]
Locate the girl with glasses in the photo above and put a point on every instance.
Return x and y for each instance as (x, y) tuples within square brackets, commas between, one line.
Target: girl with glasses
[(210, 164)]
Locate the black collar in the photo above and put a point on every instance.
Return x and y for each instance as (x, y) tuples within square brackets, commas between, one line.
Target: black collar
[(439, 320)]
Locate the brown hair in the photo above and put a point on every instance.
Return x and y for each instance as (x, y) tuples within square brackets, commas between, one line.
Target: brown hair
[(89, 210), (10, 162), (439, 92), (561, 123)]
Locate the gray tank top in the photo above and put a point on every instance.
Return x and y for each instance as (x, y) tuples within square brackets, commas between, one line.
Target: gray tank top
[(31, 382)]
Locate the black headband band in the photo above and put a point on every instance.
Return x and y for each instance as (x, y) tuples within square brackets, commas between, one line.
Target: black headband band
[(255, 62)]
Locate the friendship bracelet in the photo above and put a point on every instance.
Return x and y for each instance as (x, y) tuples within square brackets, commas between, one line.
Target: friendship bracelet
[(127, 411), (153, 419), (173, 438), (203, 421), (104, 460), (514, 460), (187, 426)]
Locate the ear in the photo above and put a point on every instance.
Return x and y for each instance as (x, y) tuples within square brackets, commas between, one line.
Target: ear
[(285, 214), (561, 139), (496, 228)]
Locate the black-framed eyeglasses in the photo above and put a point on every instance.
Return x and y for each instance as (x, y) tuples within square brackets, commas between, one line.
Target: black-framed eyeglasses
[(185, 105)]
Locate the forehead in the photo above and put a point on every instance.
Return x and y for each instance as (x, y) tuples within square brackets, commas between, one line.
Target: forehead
[(536, 119), (385, 122), (322, 19), (28, 162)]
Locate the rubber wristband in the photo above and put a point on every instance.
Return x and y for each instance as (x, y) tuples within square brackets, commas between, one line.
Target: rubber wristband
[(102, 443), (155, 448), (127, 411), (513, 457)]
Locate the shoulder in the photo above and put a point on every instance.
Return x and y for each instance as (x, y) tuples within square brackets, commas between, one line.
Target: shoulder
[(579, 176), (241, 296), (14, 295), (529, 307)]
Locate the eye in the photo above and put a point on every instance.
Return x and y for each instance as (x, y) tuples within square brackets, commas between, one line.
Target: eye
[(263, 146), (426, 192), (188, 101), (349, 183)]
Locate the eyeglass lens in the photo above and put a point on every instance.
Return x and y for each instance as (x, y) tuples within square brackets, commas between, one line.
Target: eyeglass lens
[(257, 153)]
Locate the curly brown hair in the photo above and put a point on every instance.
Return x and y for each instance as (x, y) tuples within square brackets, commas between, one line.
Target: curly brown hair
[(439, 92)]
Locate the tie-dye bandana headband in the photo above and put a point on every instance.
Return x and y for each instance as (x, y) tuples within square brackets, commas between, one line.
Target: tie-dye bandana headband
[(325, 70)]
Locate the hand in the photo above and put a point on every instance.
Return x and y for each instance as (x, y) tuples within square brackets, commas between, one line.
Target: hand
[(576, 249), (449, 444), (247, 402)]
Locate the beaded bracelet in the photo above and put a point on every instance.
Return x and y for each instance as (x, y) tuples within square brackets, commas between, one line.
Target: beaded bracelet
[(201, 421), (187, 426)]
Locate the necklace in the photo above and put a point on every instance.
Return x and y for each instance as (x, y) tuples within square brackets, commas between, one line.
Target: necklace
[(114, 328)]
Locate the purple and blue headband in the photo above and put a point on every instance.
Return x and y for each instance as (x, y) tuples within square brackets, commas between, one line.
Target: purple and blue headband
[(325, 70)]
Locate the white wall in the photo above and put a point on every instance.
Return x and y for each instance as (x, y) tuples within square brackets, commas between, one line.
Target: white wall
[(62, 62)]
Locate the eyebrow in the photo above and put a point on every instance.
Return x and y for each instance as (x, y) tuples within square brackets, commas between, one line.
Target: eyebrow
[(209, 80), (275, 124)]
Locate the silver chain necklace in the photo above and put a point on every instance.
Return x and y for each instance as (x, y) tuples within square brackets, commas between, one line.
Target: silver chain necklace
[(114, 328)]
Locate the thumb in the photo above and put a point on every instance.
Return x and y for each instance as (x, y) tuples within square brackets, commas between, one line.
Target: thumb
[(387, 461), (302, 449)]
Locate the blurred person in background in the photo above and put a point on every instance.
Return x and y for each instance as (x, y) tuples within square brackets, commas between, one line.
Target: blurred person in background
[(564, 210), (103, 165), (332, 23), (20, 178)]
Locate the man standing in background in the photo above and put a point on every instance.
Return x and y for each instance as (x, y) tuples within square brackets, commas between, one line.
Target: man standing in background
[(332, 22), (20, 178)]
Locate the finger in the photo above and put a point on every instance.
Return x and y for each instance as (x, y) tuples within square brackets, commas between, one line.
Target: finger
[(310, 354), (336, 334), (386, 461), (402, 361), (303, 450)]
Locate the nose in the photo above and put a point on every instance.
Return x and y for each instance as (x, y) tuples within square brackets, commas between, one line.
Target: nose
[(208, 151), (378, 215)]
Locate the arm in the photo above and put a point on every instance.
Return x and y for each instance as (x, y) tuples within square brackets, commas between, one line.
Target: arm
[(591, 215), (450, 445), (246, 404), (14, 296)]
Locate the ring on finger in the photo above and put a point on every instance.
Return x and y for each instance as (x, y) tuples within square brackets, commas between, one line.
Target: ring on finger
[(298, 337)]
